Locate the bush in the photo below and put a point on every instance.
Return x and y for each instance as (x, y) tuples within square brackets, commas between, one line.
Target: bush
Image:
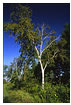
[(54, 94), (37, 99), (33, 93), (63, 93), (9, 85), (4, 81), (5, 93), (20, 96)]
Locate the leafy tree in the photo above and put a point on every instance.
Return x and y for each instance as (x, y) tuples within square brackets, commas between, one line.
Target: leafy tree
[(61, 66), (65, 59), (38, 41)]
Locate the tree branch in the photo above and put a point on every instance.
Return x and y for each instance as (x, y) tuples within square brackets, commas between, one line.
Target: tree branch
[(50, 59), (41, 42), (49, 44), (45, 37), (48, 35), (37, 50)]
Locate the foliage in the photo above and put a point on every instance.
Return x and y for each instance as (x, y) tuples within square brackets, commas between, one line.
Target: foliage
[(20, 96), (4, 81), (5, 71), (5, 90), (22, 29), (5, 93), (51, 94)]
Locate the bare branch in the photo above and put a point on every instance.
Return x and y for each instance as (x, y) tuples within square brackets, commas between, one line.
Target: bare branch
[(48, 35), (37, 50), (46, 65), (41, 42), (45, 37), (49, 44), (50, 59)]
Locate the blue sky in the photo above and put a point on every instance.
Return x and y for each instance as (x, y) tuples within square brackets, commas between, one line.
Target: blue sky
[(54, 15), (10, 49)]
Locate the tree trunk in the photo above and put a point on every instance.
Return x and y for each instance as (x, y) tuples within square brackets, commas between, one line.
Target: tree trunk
[(42, 74), (42, 78)]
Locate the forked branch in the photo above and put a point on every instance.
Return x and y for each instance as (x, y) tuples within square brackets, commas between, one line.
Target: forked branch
[(49, 45)]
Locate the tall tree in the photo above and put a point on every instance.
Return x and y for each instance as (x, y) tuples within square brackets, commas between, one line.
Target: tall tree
[(38, 41), (64, 57)]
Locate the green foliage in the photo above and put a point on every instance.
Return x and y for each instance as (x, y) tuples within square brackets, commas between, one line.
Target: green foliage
[(48, 95), (34, 94), (4, 81), (29, 84), (5, 93), (63, 93), (20, 96), (21, 28), (5, 90), (9, 85), (51, 93), (14, 80), (5, 71), (54, 94)]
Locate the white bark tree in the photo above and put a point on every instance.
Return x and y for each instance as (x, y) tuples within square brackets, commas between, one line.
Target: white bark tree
[(42, 50)]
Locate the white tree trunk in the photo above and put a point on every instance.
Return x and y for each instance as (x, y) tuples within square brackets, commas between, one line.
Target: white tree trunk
[(42, 70), (42, 78)]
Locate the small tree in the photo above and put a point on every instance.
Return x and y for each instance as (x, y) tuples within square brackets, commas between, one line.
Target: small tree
[(34, 44)]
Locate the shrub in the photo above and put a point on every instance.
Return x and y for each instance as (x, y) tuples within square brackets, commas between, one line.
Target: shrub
[(37, 99), (63, 93), (9, 85), (5, 93), (20, 96), (33, 93), (54, 94)]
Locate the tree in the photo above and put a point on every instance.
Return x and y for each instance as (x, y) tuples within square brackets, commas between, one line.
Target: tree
[(66, 65), (61, 66), (64, 57), (15, 68), (38, 41)]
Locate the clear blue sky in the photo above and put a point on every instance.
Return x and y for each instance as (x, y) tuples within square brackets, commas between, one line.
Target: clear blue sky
[(55, 15)]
